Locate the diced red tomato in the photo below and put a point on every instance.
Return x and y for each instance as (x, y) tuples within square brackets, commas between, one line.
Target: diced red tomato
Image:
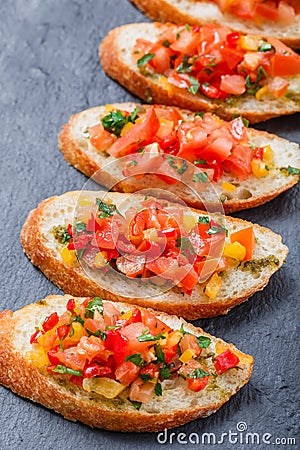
[(107, 235), (258, 153), (189, 341), (132, 332), (239, 162), (232, 56), (161, 60), (285, 65), (131, 266), (34, 337), (126, 372), (151, 370), (140, 391), (277, 86), (116, 342), (62, 331), (96, 370), (268, 10), (286, 13), (52, 356), (70, 358), (50, 322), (89, 347), (186, 42), (110, 314), (71, 305), (210, 91), (155, 325), (233, 84), (137, 135), (225, 361), (100, 138)]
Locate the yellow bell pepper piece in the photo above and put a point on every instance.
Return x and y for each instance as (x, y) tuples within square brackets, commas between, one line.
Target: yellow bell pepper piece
[(78, 332), (268, 154), (189, 221), (261, 92), (187, 355), (173, 338), (37, 357), (250, 42), (126, 128), (213, 286), (69, 256), (235, 251), (85, 200), (100, 260), (259, 168), (104, 386), (126, 315), (228, 186)]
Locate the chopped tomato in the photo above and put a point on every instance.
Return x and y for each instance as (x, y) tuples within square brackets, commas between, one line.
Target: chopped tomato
[(155, 325), (137, 135), (247, 239), (189, 341), (110, 314), (186, 42), (131, 266), (243, 9), (140, 391), (132, 332), (116, 342), (70, 358), (239, 162), (138, 223), (232, 56), (151, 370), (100, 138), (97, 370), (277, 86), (89, 347), (233, 84), (286, 13), (285, 64), (107, 235), (268, 10), (160, 62), (197, 384), (50, 322), (126, 372), (225, 361)]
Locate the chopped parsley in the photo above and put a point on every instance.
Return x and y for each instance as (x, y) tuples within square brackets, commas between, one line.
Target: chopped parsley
[(158, 389), (179, 165), (60, 233), (293, 170), (195, 85), (201, 177), (136, 359), (79, 227), (185, 66), (137, 405), (97, 333), (198, 373), (185, 245), (203, 219), (214, 230), (145, 59), (145, 337), (203, 341), (106, 209), (165, 372), (115, 121), (64, 369), (94, 305), (159, 354), (266, 47)]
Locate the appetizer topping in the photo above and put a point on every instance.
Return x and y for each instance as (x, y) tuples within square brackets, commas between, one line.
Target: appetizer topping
[(161, 244), (159, 141), (218, 63), (101, 350), (282, 12)]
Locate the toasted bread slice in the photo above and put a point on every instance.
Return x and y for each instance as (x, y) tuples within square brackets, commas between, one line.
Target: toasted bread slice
[(119, 64), (202, 12), (27, 376), (40, 245), (77, 149)]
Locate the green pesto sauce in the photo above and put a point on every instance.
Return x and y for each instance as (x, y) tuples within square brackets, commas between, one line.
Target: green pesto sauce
[(256, 265), (59, 232)]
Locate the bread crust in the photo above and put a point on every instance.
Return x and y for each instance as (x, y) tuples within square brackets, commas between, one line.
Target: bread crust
[(81, 160), (125, 72), (75, 281), (23, 378), (163, 11)]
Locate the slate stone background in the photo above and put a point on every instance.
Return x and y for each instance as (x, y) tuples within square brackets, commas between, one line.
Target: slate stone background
[(50, 70)]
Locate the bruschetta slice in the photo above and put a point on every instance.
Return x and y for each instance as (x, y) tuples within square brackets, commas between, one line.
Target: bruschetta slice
[(116, 366)]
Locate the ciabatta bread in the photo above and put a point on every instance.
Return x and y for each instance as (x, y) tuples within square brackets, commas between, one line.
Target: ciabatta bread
[(239, 283), (75, 144), (118, 62), (176, 406), (202, 12)]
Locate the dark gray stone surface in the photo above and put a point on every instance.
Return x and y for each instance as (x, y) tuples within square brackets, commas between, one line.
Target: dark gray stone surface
[(49, 70)]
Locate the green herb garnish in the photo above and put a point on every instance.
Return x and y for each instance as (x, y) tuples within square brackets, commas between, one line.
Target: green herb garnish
[(94, 305), (195, 85), (198, 373), (201, 177), (158, 389), (203, 341), (145, 59), (185, 245), (165, 372), (135, 359), (106, 209), (64, 369), (203, 219), (179, 165), (115, 121), (137, 405), (159, 354)]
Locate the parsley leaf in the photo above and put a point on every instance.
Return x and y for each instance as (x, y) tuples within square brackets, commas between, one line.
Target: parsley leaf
[(158, 389), (195, 85), (79, 227), (179, 165), (184, 66), (106, 209), (160, 354), (149, 337), (203, 341), (97, 333), (182, 330), (266, 47), (293, 170), (94, 305), (145, 59), (214, 230), (64, 369), (135, 359), (198, 373), (185, 245), (203, 219), (165, 372), (115, 121), (137, 405), (201, 177)]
